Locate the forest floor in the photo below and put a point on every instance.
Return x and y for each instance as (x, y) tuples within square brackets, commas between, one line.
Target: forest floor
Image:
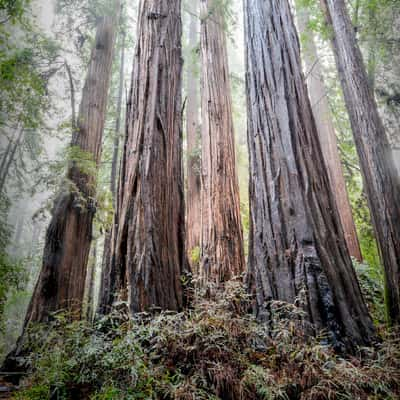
[(214, 350)]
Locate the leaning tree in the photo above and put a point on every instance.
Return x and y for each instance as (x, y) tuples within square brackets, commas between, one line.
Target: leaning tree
[(381, 179)]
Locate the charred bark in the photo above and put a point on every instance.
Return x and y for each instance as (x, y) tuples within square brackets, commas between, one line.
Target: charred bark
[(381, 180), (193, 198), (222, 254), (327, 136), (148, 236), (297, 248)]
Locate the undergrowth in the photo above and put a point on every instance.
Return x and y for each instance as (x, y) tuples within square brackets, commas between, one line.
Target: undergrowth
[(215, 350)]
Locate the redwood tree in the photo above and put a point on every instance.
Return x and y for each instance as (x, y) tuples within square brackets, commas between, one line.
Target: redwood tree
[(106, 262), (381, 180), (148, 237), (61, 282), (222, 253), (327, 134), (193, 199), (297, 248)]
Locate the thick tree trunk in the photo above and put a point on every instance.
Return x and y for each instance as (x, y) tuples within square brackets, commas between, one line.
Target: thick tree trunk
[(104, 295), (222, 254), (61, 282), (193, 199), (381, 181), (327, 135), (297, 248), (148, 237)]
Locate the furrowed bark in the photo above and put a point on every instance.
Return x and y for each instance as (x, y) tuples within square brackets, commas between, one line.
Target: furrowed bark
[(381, 181), (193, 199), (222, 255), (327, 135), (148, 254), (297, 248)]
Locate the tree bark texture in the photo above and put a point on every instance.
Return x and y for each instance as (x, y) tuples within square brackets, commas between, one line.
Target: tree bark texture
[(297, 248), (327, 135), (148, 253), (222, 254), (381, 180), (61, 282), (193, 198)]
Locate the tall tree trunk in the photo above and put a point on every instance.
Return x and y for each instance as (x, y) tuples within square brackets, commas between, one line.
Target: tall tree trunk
[(327, 135), (193, 199), (61, 282), (297, 248), (380, 176), (148, 237), (104, 295), (222, 254)]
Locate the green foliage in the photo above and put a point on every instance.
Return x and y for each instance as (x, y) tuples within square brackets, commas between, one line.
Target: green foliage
[(215, 350), (195, 253), (12, 9), (12, 278), (372, 286)]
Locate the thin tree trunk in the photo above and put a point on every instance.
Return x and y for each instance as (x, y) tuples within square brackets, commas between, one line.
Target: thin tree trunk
[(90, 281), (72, 94), (7, 162), (148, 236), (327, 135), (380, 176), (61, 282), (106, 264), (222, 254), (193, 202), (297, 248), (4, 160)]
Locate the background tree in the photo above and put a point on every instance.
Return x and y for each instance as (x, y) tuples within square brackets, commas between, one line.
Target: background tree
[(381, 180), (297, 247), (193, 199), (62, 279), (222, 254), (326, 131)]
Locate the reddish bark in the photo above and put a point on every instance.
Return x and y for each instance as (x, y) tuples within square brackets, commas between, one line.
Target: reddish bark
[(222, 254), (148, 238)]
